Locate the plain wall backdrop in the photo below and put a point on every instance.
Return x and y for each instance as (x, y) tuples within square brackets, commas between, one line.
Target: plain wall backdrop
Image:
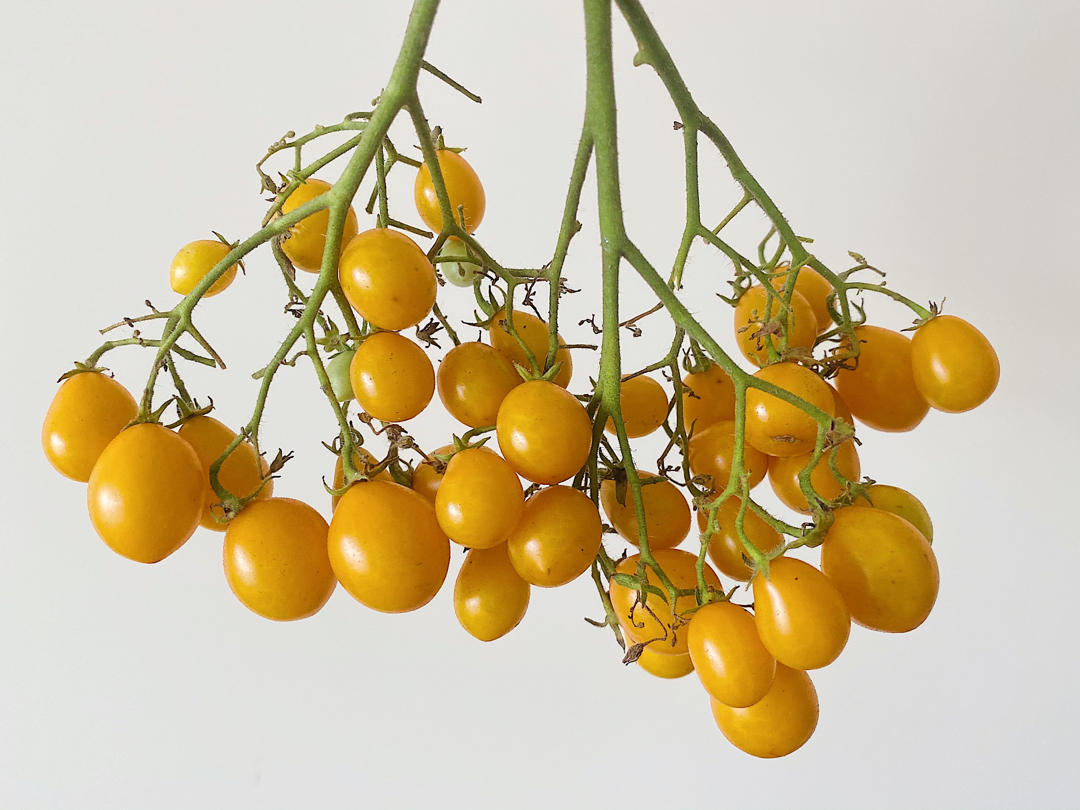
[(937, 138)]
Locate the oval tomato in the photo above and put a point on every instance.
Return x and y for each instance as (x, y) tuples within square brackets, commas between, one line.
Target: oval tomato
[(392, 377), (725, 546), (490, 599), (881, 390), (708, 397), (713, 450), (557, 537), (776, 725), (644, 405), (363, 460), (387, 279), (778, 428), (426, 479), (534, 334), (663, 665), (543, 432), (955, 367), (463, 188), (479, 500), (667, 514), (784, 475), (194, 260), (87, 412), (306, 240), (812, 286), (472, 381), (729, 658), (241, 473), (755, 310), (899, 502)]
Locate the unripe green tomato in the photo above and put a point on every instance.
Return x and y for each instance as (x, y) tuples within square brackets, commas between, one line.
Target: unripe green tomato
[(338, 369), (459, 273)]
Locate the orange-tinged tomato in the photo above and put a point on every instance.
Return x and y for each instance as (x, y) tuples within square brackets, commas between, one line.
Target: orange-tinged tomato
[(812, 286), (193, 261), (666, 632), (899, 502), (362, 460), (757, 309), (801, 617), (644, 405), (954, 365), (713, 450), (146, 493), (306, 239), (87, 412), (667, 514), (729, 658), (779, 428), (881, 391), (784, 475), (392, 377), (426, 478), (777, 724), (490, 599), (664, 665), (479, 500), (543, 432), (472, 381), (386, 548), (882, 566), (840, 409), (463, 188), (557, 537), (725, 546), (534, 334), (708, 398), (241, 473), (387, 278), (276, 560)]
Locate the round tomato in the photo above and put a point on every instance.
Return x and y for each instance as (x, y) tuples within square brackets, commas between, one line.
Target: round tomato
[(194, 260), (713, 450), (490, 599), (778, 428), (392, 377), (306, 240), (644, 405), (800, 326), (387, 279), (557, 537), (663, 665), (954, 365), (479, 500), (725, 546), (463, 188), (729, 658), (338, 371), (777, 724), (899, 502), (812, 286), (667, 514), (363, 461), (472, 381), (146, 493), (534, 334), (881, 390), (426, 479), (241, 473), (87, 412), (462, 271), (708, 397), (784, 476), (543, 432)]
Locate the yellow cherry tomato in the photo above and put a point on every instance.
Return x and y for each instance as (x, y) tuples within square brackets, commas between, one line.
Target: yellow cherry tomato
[(362, 460), (784, 475), (534, 334), (392, 377), (463, 188), (777, 724), (87, 412), (725, 546), (667, 514), (840, 409), (276, 560), (899, 502), (757, 309), (146, 493), (663, 665), (708, 398), (472, 381), (479, 500), (729, 658), (778, 428), (544, 432), (644, 404), (306, 240), (490, 599), (557, 537), (812, 286), (193, 261), (426, 479), (713, 450), (387, 279), (881, 390), (241, 473), (954, 365)]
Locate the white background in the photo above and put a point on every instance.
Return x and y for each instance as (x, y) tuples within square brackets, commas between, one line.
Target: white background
[(937, 138)]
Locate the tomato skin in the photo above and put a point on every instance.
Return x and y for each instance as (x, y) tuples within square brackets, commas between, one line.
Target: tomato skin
[(882, 566), (708, 398), (275, 558), (812, 286), (728, 656), (800, 615), (459, 273), (881, 391), (307, 238), (193, 261), (713, 450), (479, 500), (337, 369), (725, 547), (146, 493), (667, 514), (899, 502), (362, 460), (841, 412), (954, 365), (241, 473), (802, 326), (463, 187), (663, 665), (543, 432), (779, 428), (472, 381), (392, 377), (557, 537), (534, 334), (386, 548), (426, 480), (490, 599), (87, 412), (387, 279), (784, 476), (776, 725), (644, 405)]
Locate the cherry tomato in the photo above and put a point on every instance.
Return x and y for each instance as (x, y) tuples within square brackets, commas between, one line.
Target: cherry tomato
[(899, 502), (841, 411), (87, 412), (543, 432), (644, 404), (306, 240), (784, 475), (461, 272), (362, 460), (881, 391), (812, 286), (557, 537), (954, 365), (194, 261), (426, 479), (387, 279), (490, 599), (777, 724), (386, 548), (712, 452), (708, 398), (667, 514), (479, 500), (779, 428), (472, 381), (392, 377), (657, 625), (463, 188), (276, 560), (801, 616), (663, 665), (882, 566), (729, 658), (241, 473), (755, 309), (146, 493), (338, 371), (725, 546), (534, 334)]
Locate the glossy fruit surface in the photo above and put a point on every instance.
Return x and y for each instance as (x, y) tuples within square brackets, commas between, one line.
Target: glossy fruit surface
[(490, 599), (729, 658), (644, 404), (755, 308), (426, 479), (544, 432), (557, 537), (812, 286), (779, 428), (840, 409), (87, 412), (193, 261), (725, 546), (882, 566), (276, 560), (777, 724), (462, 271), (899, 502), (784, 475), (363, 461), (146, 493), (667, 513), (472, 381), (392, 377), (881, 391), (708, 398), (386, 548), (463, 187), (479, 500), (712, 451), (387, 279), (534, 334), (801, 617), (307, 238), (241, 473), (954, 365), (337, 369), (664, 665)]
